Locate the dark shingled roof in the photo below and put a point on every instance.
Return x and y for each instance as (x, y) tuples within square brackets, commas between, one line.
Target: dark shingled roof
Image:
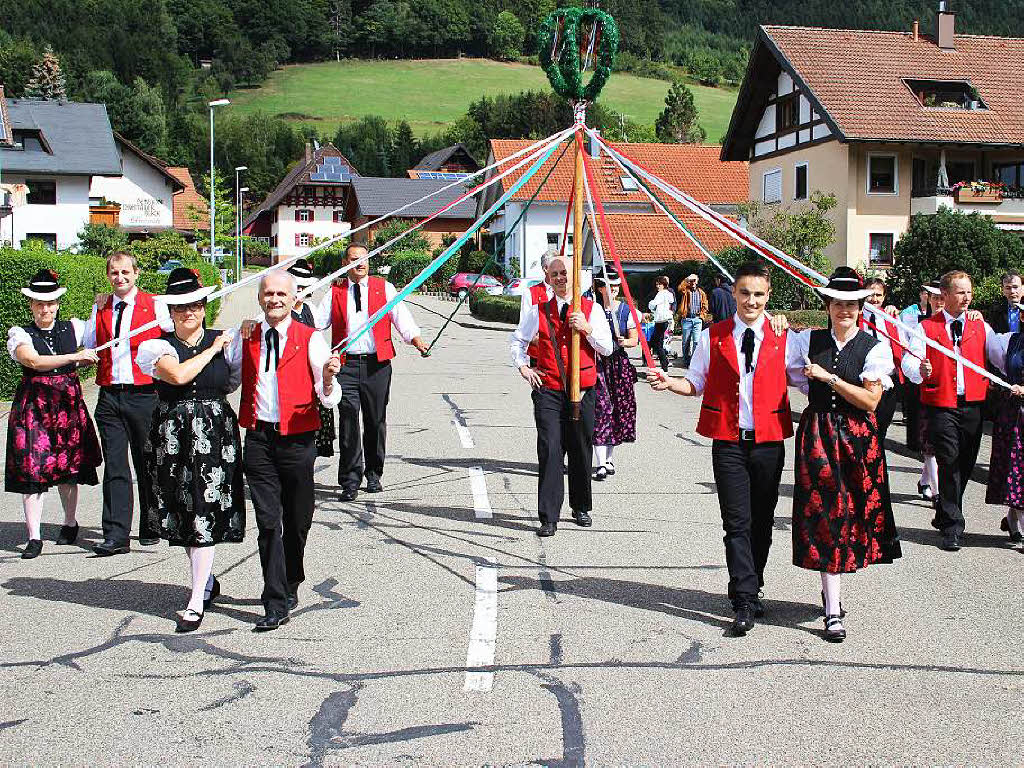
[(78, 135), (435, 160), (380, 196)]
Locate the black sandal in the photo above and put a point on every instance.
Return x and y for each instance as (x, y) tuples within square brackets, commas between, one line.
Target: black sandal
[(189, 620)]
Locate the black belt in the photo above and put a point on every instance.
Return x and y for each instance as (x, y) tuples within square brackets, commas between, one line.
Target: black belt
[(268, 426), (746, 435), (142, 389), (362, 356)]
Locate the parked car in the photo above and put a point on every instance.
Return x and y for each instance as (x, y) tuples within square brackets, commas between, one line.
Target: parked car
[(520, 285), (169, 266), (462, 282)]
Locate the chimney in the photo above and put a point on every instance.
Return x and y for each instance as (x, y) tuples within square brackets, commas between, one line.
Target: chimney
[(592, 148), (916, 30), (309, 152), (945, 22)]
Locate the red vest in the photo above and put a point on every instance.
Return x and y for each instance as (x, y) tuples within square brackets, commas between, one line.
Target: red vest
[(939, 390), (143, 312), (538, 295), (720, 410), (296, 400), (554, 334), (889, 329), (377, 299)]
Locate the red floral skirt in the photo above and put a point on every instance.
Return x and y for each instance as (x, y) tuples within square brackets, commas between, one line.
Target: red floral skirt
[(50, 436), (842, 513)]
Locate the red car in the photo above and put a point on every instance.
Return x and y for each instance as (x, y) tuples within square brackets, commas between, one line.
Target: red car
[(462, 282)]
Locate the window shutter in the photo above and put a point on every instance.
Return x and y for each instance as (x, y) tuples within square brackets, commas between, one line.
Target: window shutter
[(296, 214), (297, 238), (773, 187)]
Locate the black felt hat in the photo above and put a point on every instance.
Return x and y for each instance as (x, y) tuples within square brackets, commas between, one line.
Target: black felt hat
[(185, 287), (44, 286)]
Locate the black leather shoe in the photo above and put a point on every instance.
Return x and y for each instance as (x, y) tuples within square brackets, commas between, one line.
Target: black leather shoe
[(758, 608), (743, 621), (950, 542), (936, 524), (149, 541), (349, 494), (214, 594), (1015, 536), (547, 529), (292, 601), (32, 549), (108, 548), (582, 519), (834, 630), (68, 534), (373, 485), (188, 620), (270, 621)]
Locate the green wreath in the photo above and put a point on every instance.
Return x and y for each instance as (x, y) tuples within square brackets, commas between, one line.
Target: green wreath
[(565, 73)]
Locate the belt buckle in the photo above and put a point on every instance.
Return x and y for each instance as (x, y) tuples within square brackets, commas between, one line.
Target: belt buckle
[(747, 435)]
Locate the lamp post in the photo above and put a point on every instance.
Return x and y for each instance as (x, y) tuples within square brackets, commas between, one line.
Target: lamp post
[(213, 210), (241, 243), (238, 219)]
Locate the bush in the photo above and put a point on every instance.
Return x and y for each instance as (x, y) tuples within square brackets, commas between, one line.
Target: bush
[(256, 252), (799, 319), (500, 309), (162, 247), (405, 265), (101, 239), (329, 259)]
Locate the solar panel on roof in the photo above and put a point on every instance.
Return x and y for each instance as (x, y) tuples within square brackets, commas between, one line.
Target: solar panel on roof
[(331, 160)]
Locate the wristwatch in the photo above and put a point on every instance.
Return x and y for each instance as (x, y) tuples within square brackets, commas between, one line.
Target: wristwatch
[(833, 380)]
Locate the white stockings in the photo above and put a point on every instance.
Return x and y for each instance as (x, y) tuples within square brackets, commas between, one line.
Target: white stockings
[(33, 506)]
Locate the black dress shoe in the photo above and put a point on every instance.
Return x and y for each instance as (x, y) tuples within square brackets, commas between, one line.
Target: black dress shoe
[(547, 529), (270, 621), (188, 620), (32, 549), (108, 548), (68, 534), (349, 494), (149, 541), (743, 622), (950, 542), (214, 594), (292, 601), (834, 630), (373, 485), (758, 608), (936, 524), (600, 474), (582, 519)]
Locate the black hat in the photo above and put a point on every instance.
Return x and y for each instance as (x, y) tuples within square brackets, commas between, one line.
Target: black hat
[(302, 271), (185, 287), (610, 277), (844, 283), (934, 287), (43, 286)]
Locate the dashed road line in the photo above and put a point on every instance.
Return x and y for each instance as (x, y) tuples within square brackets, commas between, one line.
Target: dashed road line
[(481, 504), (459, 422), (484, 632)]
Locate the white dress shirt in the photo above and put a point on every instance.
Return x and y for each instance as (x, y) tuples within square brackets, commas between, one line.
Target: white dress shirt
[(700, 364), (17, 336), (267, 407), (526, 299), (878, 363), (400, 317), (121, 353), (600, 337), (911, 365)]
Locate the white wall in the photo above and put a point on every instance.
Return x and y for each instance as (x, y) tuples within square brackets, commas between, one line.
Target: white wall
[(143, 192), (65, 219), (285, 228)]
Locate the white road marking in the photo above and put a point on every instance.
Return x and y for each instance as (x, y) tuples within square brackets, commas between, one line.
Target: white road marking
[(464, 436), (481, 504), (485, 628)]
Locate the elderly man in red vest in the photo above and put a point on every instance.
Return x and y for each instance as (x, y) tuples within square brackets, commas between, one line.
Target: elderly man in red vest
[(285, 365), (126, 402), (365, 376), (551, 323), (742, 366), (952, 396)]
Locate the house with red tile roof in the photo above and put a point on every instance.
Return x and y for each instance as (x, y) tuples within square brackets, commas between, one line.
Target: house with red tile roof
[(646, 239), (893, 123), (191, 210)]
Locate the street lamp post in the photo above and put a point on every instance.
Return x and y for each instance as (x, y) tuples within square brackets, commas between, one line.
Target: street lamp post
[(238, 221), (241, 243), (213, 210)]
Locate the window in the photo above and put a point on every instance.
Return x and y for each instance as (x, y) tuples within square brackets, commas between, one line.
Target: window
[(339, 217), (49, 239), (42, 192), (30, 141), (629, 184), (960, 170), (800, 191), (553, 239), (787, 113), (772, 189), (1012, 174), (880, 249), (946, 94), (302, 239), (882, 175), (303, 214)]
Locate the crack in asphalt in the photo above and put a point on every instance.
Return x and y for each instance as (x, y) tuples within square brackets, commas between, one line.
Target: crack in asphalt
[(242, 689)]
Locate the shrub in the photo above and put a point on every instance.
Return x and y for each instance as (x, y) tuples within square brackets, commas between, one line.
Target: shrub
[(256, 252), (101, 239), (405, 265), (799, 319), (162, 247), (501, 309)]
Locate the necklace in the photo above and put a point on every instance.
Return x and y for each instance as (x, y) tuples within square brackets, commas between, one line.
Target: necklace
[(187, 343)]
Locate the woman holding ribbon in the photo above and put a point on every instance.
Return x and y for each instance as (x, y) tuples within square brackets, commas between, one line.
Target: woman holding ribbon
[(615, 405), (1006, 468)]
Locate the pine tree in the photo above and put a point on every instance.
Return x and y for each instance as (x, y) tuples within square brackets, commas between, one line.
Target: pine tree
[(47, 80), (677, 124)]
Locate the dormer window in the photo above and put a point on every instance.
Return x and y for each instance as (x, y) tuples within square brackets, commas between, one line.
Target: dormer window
[(946, 94), (30, 141)]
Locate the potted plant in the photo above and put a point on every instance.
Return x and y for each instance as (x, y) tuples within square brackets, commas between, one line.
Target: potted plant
[(978, 192)]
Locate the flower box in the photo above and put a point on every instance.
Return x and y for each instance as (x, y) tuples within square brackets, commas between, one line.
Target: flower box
[(966, 195)]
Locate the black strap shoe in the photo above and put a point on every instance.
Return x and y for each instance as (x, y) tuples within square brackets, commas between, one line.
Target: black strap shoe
[(743, 622), (214, 594), (108, 548), (547, 529), (149, 541), (582, 519), (349, 494), (68, 534), (270, 622), (32, 549), (834, 630), (189, 620)]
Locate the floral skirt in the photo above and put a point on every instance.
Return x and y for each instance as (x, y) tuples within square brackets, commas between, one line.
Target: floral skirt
[(1006, 469), (842, 513), (325, 435), (50, 437), (193, 460), (615, 404)]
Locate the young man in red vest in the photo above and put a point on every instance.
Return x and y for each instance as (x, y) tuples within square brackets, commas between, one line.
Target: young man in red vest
[(551, 323), (741, 366), (952, 396), (127, 398), (285, 366), (365, 377)]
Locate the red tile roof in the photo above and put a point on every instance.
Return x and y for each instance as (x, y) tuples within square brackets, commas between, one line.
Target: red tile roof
[(185, 200), (857, 78), (654, 238)]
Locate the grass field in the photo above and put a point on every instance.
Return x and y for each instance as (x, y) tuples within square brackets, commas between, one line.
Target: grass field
[(432, 93)]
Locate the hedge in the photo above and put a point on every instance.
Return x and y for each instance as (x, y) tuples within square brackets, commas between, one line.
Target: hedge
[(806, 318), (501, 309), (84, 277)]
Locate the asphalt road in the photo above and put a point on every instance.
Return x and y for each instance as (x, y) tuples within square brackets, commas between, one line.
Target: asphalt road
[(436, 628)]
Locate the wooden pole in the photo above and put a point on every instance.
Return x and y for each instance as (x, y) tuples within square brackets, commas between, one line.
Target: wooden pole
[(577, 269)]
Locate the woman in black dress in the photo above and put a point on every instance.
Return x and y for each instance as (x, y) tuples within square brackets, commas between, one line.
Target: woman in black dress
[(302, 271), (51, 440), (193, 457), (842, 513)]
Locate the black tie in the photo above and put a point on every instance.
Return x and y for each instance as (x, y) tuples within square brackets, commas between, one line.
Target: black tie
[(119, 311), (564, 311), (272, 346), (956, 330), (357, 295), (747, 348)]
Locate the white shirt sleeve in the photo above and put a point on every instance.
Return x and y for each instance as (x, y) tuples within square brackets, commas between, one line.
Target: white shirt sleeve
[(79, 327), (319, 352), (150, 351), (164, 317), (700, 363), (600, 337), (401, 317), (322, 311), (17, 336), (521, 337), (234, 361), (798, 345), (911, 363), (89, 340), (996, 347), (878, 365)]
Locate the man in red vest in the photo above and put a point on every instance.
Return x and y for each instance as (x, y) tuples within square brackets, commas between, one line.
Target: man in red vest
[(127, 398), (551, 323), (365, 377), (952, 396), (285, 366), (741, 366)]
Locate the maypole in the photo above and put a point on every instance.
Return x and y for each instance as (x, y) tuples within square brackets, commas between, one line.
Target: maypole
[(571, 40)]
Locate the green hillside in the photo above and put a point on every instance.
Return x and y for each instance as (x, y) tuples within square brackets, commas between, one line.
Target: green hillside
[(430, 94)]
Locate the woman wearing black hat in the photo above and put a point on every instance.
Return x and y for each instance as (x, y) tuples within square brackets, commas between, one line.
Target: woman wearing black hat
[(193, 457), (615, 405), (842, 513), (51, 440)]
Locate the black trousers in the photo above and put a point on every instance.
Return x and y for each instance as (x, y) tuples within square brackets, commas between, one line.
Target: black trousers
[(557, 436), (366, 387), (956, 436), (658, 344), (124, 418), (747, 477), (912, 413), (279, 471)]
